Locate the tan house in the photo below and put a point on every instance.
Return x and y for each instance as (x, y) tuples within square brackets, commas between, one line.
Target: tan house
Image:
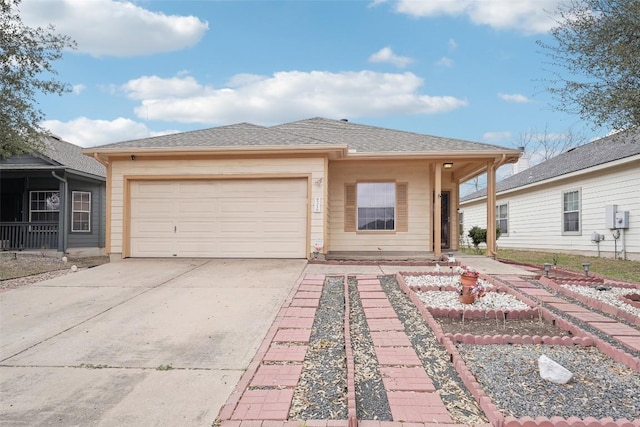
[(287, 191)]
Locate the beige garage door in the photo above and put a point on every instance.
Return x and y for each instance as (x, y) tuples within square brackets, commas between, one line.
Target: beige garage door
[(242, 218)]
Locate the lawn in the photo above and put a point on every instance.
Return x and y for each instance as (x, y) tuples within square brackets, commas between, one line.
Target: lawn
[(611, 268)]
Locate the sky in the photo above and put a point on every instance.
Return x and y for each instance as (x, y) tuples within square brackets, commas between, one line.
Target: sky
[(467, 69)]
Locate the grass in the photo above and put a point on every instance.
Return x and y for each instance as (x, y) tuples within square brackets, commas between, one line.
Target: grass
[(14, 265), (611, 268)]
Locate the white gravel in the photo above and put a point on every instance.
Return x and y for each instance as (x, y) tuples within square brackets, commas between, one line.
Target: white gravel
[(611, 296), (450, 299), (491, 301)]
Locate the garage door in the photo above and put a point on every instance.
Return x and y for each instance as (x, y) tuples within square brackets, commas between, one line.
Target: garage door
[(264, 218)]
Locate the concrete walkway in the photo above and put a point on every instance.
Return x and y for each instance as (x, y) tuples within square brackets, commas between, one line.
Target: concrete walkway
[(136, 343)]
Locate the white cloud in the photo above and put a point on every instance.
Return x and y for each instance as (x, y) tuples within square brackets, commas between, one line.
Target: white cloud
[(527, 16), (453, 45), (78, 89), (445, 62), (386, 55), (496, 137), (285, 96), (115, 28), (515, 98), (89, 133)]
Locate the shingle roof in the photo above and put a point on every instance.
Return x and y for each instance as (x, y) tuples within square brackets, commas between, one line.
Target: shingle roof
[(372, 139), (596, 153), (59, 154), (237, 135), (320, 131), (70, 156)]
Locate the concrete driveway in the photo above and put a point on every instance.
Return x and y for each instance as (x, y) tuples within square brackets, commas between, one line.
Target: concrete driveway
[(92, 348)]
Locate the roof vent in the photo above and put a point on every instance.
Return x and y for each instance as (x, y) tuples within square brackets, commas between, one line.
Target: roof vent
[(344, 120)]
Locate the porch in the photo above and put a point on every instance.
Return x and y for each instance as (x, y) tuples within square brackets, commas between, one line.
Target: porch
[(18, 236)]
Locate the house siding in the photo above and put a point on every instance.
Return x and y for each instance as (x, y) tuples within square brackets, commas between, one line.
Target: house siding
[(93, 238), (257, 167), (535, 214), (415, 173)]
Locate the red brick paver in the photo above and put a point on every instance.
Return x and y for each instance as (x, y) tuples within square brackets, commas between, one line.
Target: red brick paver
[(264, 405), (397, 356), (277, 376), (292, 335), (286, 353), (418, 407), (406, 379), (390, 339)]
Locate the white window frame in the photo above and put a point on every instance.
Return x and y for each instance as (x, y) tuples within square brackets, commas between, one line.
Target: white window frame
[(578, 211), (83, 211), (380, 202), (52, 193), (505, 219)]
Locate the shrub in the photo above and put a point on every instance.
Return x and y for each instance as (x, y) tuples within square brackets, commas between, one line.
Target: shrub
[(479, 235)]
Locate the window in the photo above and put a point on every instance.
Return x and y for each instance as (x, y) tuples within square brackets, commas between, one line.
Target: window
[(502, 218), (81, 211), (376, 206), (571, 212), (44, 206), (380, 206), (461, 224)]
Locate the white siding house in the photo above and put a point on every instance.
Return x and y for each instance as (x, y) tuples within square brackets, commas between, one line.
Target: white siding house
[(557, 205)]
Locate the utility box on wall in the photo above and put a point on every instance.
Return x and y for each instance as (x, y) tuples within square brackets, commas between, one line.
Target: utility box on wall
[(610, 216), (622, 219)]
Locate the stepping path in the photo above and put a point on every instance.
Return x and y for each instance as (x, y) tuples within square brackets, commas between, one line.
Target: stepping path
[(411, 394), (626, 335)]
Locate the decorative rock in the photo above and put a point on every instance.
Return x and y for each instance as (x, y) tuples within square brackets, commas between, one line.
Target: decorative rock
[(64, 259), (553, 371), (74, 268)]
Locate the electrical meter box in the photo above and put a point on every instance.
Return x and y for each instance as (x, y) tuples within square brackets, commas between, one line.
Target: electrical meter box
[(610, 216), (622, 219)]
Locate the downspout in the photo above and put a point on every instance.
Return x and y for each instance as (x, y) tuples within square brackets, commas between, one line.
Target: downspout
[(66, 212)]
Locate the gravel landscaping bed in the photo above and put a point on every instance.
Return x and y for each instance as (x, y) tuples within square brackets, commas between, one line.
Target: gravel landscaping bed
[(509, 375), (321, 393), (609, 294), (459, 402), (371, 396)]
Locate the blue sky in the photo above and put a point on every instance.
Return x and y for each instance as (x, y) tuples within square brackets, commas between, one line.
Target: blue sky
[(464, 69)]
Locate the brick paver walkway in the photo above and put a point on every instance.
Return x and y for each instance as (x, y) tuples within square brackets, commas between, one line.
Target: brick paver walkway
[(264, 395)]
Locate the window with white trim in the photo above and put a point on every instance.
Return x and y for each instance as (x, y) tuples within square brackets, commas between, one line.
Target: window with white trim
[(81, 211), (502, 218), (571, 212), (376, 205), (44, 206)]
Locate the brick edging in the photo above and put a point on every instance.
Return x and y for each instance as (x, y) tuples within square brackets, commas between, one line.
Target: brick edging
[(226, 411), (491, 411)]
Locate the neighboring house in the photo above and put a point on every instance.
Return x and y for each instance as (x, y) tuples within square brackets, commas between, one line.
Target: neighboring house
[(53, 201), (287, 191), (557, 205)]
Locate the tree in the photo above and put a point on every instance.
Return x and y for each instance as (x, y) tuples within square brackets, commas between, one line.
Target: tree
[(597, 44), (479, 235), (543, 145), (26, 56)]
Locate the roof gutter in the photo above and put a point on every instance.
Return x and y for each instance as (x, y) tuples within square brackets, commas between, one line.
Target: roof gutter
[(62, 219)]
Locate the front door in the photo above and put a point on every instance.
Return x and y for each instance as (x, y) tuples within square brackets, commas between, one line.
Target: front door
[(445, 229)]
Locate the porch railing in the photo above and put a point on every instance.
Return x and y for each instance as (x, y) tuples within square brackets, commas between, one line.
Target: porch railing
[(28, 235)]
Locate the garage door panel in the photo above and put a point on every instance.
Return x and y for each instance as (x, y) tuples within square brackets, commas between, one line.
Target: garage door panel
[(223, 218)]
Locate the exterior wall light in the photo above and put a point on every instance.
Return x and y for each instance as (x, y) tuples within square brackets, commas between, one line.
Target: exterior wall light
[(447, 165)]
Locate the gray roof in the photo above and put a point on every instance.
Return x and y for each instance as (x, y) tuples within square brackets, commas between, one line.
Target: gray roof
[(605, 150), (70, 156), (372, 139), (319, 131), (59, 154), (237, 135)]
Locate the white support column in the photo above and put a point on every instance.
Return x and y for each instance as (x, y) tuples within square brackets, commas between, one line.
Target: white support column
[(492, 247), (437, 210)]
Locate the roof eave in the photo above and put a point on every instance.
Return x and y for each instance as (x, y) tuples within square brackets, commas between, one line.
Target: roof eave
[(338, 151)]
